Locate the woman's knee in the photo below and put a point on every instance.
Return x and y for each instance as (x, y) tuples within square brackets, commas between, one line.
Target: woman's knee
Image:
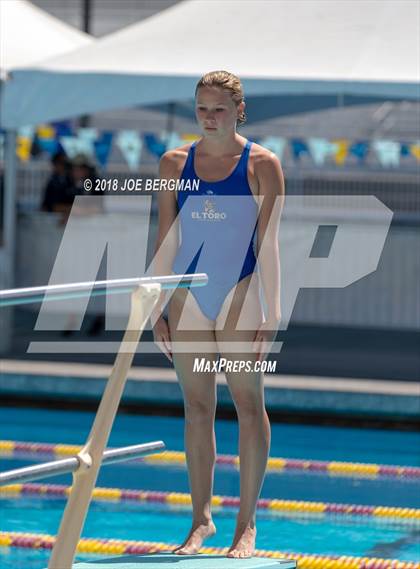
[(249, 406), (199, 410)]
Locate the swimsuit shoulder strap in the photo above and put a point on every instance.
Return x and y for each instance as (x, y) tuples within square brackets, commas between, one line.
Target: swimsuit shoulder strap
[(243, 162), (188, 169)]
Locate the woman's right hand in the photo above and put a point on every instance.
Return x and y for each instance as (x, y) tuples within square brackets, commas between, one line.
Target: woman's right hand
[(162, 337)]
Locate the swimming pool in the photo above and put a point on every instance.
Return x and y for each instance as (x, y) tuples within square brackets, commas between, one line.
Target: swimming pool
[(158, 522)]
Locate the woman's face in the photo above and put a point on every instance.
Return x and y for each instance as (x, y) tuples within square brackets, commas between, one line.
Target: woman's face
[(215, 111)]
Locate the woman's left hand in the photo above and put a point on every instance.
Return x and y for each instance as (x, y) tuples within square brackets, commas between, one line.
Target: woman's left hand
[(264, 339)]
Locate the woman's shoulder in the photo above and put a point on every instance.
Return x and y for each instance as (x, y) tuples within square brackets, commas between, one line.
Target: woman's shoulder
[(175, 158), (262, 156), (266, 168), (176, 154), (173, 161)]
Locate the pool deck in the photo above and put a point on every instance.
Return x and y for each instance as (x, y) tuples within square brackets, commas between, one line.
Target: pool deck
[(201, 561), (147, 385)]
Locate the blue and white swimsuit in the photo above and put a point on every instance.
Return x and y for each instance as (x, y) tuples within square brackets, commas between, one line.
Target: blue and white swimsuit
[(218, 225)]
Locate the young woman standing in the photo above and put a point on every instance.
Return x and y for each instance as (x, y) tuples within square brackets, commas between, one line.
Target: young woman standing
[(235, 214)]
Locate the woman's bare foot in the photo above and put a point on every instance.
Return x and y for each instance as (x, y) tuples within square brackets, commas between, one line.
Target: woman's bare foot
[(198, 533), (243, 544)]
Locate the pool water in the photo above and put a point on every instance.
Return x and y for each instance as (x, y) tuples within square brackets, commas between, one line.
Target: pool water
[(158, 522), (286, 485), (292, 441), (150, 522)]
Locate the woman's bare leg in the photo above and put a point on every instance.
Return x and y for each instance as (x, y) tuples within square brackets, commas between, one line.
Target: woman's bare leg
[(254, 446), (247, 392), (199, 391)]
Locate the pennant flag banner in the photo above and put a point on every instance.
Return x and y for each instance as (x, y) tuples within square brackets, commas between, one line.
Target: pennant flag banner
[(23, 147), (320, 149), (275, 144), (88, 136), (24, 139), (62, 128), (388, 152), (45, 132), (60, 136), (172, 140), (44, 140), (360, 150), (50, 145), (415, 150), (405, 150), (102, 148), (26, 132), (154, 145), (299, 147), (74, 145), (340, 155), (88, 133), (130, 144)]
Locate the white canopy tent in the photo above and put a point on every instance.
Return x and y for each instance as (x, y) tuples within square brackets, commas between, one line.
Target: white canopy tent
[(27, 35), (30, 35), (313, 47)]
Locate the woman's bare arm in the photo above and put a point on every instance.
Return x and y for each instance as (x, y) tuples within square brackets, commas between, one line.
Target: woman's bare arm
[(167, 235), (271, 192)]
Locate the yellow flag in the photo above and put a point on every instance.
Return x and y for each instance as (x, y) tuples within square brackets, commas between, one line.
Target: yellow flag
[(45, 131), (415, 150), (23, 147), (340, 154)]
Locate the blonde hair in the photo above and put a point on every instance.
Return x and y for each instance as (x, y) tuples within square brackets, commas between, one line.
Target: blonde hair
[(228, 81)]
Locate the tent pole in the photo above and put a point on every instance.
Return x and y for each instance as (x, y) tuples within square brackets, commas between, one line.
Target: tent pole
[(86, 7), (9, 228), (10, 203), (86, 17)]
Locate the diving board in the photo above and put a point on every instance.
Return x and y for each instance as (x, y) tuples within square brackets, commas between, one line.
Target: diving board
[(172, 561)]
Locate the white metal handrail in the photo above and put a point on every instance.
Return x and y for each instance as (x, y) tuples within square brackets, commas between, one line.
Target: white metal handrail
[(145, 293), (71, 464), (27, 295)]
